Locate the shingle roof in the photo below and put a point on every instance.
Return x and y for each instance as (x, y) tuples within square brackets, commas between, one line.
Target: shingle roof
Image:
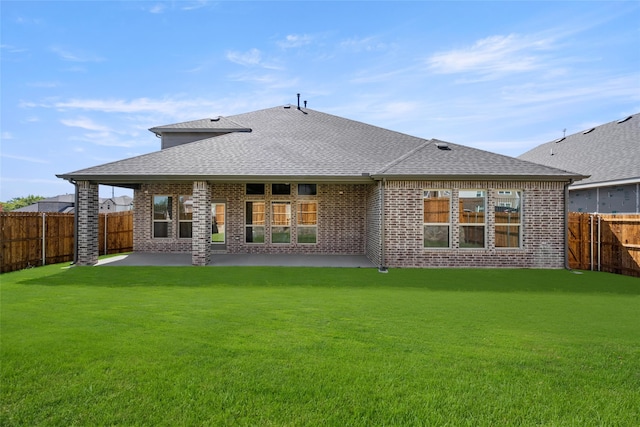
[(610, 152), (216, 124), (306, 144)]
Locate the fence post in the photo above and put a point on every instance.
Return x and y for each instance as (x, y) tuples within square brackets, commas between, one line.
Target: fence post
[(599, 242), (44, 238)]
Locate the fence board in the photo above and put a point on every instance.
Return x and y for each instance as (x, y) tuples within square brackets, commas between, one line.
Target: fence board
[(22, 237), (605, 242)]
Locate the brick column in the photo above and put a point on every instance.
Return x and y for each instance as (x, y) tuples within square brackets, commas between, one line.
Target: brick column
[(201, 228), (87, 214)]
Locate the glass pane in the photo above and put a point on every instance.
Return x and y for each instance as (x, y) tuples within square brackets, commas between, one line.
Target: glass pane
[(280, 234), (185, 230), (281, 189), (507, 236), (472, 236), (161, 229), (307, 189), (162, 208), (281, 213), (254, 213), (255, 188), (218, 222), (437, 206), (254, 235), (185, 208), (508, 206), (472, 206), (307, 213), (436, 236), (307, 234)]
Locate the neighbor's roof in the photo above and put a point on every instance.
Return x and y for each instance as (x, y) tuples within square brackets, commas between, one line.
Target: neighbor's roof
[(609, 153), (287, 143)]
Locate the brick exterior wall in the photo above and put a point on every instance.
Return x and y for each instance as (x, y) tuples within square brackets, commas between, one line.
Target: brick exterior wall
[(341, 219), (201, 238), (542, 222), (373, 244), (349, 222), (87, 215)]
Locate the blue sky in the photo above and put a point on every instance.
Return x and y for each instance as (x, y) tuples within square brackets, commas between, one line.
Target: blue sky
[(82, 82)]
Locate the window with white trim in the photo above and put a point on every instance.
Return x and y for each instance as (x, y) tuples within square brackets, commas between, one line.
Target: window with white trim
[(254, 222), (472, 218), (508, 218), (162, 208), (437, 218), (185, 217), (307, 217), (280, 222)]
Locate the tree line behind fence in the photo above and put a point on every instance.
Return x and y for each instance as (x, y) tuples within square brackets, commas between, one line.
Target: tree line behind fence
[(32, 239), (608, 243)]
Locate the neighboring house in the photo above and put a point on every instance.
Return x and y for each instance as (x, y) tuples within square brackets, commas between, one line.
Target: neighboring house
[(297, 181), (116, 204), (610, 154), (62, 204), (66, 204)]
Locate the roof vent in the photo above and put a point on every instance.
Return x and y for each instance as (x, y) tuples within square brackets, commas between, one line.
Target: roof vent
[(286, 107), (443, 146), (215, 119), (624, 120), (559, 140), (588, 131)]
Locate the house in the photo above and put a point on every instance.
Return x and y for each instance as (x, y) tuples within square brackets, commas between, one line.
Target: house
[(63, 204), (116, 204), (66, 204), (293, 180), (610, 154)]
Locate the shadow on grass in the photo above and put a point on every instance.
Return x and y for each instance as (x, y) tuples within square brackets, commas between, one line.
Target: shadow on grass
[(459, 280)]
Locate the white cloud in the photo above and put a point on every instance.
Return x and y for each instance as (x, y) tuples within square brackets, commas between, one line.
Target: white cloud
[(366, 44), (251, 58), (157, 8), (85, 123), (24, 158), (493, 55), (295, 40), (6, 135), (76, 56)]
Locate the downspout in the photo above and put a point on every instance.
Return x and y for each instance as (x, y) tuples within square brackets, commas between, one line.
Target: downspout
[(382, 268)]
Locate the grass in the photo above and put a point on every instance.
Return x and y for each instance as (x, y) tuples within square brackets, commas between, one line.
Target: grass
[(312, 346)]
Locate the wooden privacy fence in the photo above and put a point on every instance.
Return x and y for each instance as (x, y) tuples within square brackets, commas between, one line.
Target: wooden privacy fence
[(605, 242), (31, 239)]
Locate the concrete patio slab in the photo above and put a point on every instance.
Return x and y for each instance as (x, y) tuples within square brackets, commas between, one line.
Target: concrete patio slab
[(240, 260)]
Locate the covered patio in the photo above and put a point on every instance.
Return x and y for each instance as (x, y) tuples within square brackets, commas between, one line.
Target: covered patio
[(239, 260)]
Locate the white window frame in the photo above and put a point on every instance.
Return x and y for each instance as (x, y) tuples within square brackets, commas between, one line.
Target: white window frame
[(518, 223), (167, 220), (462, 212), (447, 192)]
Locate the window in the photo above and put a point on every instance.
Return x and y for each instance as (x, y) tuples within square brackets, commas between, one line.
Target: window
[(307, 189), (218, 221), (281, 222), (185, 216), (281, 189), (162, 207), (437, 218), (472, 218), (255, 189), (254, 222), (508, 219), (307, 222)]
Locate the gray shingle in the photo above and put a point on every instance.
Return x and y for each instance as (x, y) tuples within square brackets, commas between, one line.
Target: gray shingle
[(609, 152), (287, 142)]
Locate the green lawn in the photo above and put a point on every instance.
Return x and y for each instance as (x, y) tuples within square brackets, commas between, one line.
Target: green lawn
[(320, 347)]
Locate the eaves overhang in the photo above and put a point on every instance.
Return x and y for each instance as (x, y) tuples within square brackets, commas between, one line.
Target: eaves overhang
[(627, 181), (135, 180), (479, 177)]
